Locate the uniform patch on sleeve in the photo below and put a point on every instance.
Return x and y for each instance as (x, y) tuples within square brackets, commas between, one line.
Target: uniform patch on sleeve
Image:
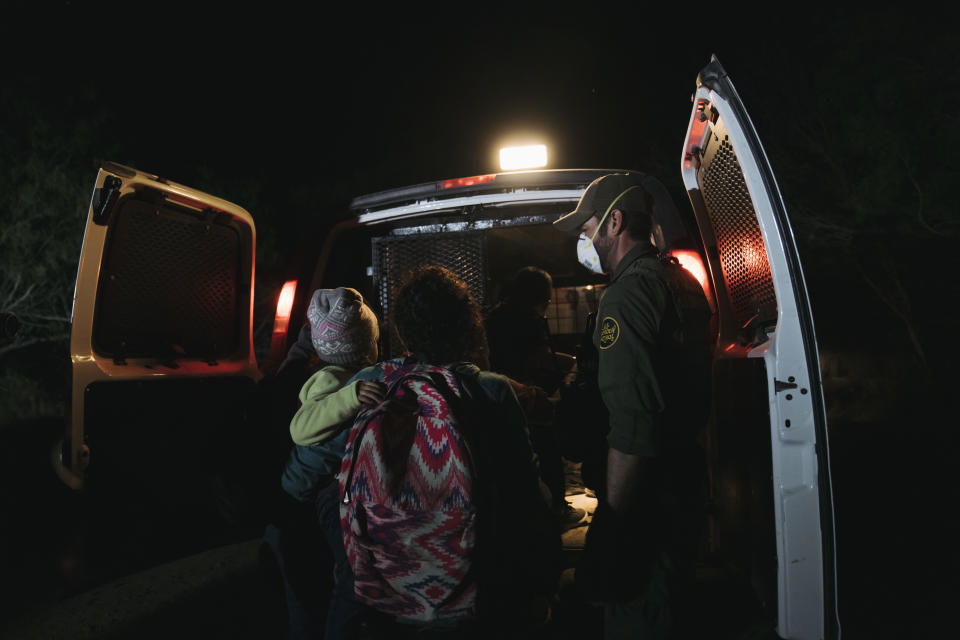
[(609, 332)]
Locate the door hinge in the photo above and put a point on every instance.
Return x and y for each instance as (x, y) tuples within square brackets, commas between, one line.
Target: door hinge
[(780, 385), (105, 198)]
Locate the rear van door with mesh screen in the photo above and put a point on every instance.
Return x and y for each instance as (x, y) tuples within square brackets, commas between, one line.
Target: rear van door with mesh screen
[(161, 347), (766, 342)]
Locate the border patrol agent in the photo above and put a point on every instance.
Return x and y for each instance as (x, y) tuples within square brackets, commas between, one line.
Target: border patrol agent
[(653, 338)]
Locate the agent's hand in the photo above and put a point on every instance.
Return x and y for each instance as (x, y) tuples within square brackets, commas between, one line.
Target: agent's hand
[(370, 392)]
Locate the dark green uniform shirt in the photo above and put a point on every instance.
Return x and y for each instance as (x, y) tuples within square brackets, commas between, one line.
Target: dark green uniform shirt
[(653, 338)]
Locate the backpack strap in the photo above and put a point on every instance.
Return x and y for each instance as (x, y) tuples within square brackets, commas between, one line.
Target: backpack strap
[(366, 416)]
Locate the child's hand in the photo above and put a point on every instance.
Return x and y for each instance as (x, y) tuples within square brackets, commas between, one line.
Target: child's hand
[(370, 392)]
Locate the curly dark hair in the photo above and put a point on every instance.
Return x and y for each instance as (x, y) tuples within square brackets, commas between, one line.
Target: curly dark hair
[(437, 318)]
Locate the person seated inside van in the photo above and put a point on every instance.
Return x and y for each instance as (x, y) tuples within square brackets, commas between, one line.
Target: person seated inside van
[(519, 337), (520, 348), (438, 486)]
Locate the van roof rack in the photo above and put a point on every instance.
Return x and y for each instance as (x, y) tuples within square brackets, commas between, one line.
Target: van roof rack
[(486, 183)]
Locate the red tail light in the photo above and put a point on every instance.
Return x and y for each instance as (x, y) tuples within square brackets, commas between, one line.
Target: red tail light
[(467, 182), (284, 304), (690, 260)]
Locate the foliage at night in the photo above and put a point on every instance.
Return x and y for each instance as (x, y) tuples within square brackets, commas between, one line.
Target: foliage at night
[(43, 197), (862, 162)]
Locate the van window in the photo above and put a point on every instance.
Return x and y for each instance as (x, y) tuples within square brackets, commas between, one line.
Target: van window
[(143, 308), (568, 309)]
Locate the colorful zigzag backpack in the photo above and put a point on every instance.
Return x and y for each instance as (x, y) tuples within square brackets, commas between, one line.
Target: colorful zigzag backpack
[(407, 512)]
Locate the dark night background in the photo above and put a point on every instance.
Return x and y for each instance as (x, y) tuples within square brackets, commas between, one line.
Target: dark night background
[(291, 115)]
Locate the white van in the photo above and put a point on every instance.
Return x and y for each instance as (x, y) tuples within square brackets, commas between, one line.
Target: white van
[(163, 354)]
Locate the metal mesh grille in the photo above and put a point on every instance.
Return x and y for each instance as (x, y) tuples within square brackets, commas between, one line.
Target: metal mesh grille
[(394, 257), (743, 255), (168, 285)]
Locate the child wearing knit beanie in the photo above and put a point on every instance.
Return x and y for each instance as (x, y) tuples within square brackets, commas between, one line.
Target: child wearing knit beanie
[(344, 333)]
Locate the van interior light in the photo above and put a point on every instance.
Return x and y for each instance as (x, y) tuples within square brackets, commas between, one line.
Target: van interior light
[(529, 157), (467, 182), (284, 305)]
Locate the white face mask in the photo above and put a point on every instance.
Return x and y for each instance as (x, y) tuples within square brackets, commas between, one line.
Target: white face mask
[(587, 254)]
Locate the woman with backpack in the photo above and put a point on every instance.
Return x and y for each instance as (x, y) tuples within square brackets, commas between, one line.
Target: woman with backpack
[(444, 525)]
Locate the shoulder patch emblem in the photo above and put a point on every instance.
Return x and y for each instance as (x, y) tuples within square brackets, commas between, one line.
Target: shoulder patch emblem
[(609, 332)]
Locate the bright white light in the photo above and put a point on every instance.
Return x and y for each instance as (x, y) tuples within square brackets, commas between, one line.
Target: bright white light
[(529, 157)]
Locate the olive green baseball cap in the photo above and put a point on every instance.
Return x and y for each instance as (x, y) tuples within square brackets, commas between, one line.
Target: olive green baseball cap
[(624, 190)]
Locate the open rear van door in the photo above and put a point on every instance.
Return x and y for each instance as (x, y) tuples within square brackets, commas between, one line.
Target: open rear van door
[(765, 323), (161, 343)]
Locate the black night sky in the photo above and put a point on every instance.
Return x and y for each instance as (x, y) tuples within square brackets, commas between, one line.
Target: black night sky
[(292, 114)]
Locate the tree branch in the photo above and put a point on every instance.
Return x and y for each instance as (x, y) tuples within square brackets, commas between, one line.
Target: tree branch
[(920, 218), (12, 306), (40, 316), (7, 303), (22, 344), (902, 313)]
